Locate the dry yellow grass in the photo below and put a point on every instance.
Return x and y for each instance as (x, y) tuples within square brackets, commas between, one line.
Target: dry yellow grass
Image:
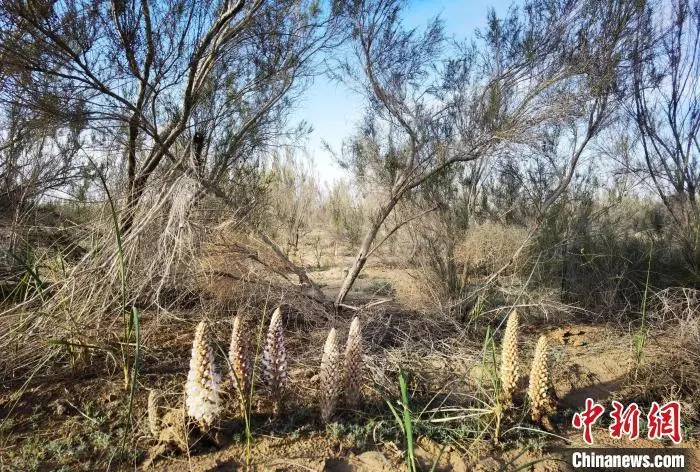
[(488, 247)]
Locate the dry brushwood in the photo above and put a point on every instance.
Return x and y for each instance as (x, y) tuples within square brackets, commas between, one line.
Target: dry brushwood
[(241, 367), (274, 360), (353, 365), (203, 401), (540, 391), (153, 417), (509, 360), (330, 377)]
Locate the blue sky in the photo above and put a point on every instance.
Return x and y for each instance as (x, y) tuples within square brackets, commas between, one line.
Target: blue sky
[(333, 111)]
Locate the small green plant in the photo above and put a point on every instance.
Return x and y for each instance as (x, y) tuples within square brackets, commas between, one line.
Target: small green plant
[(30, 283), (405, 421), (640, 337), (492, 400), (477, 309), (483, 419), (360, 435), (130, 317), (135, 322), (251, 385), (408, 423)]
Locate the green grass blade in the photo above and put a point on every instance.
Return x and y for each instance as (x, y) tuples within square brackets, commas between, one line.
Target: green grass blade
[(641, 337), (396, 416), (137, 356), (29, 272), (407, 422), (117, 232)]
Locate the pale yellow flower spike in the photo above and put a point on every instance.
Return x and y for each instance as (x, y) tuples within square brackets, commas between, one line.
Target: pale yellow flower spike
[(540, 390), (274, 360), (330, 376), (510, 373), (353, 365), (241, 366), (203, 401)]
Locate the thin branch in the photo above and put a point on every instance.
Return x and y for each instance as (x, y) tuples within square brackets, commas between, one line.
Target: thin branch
[(398, 226)]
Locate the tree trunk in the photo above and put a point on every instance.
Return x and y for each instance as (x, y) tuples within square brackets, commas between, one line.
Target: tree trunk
[(365, 248), (136, 191)]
